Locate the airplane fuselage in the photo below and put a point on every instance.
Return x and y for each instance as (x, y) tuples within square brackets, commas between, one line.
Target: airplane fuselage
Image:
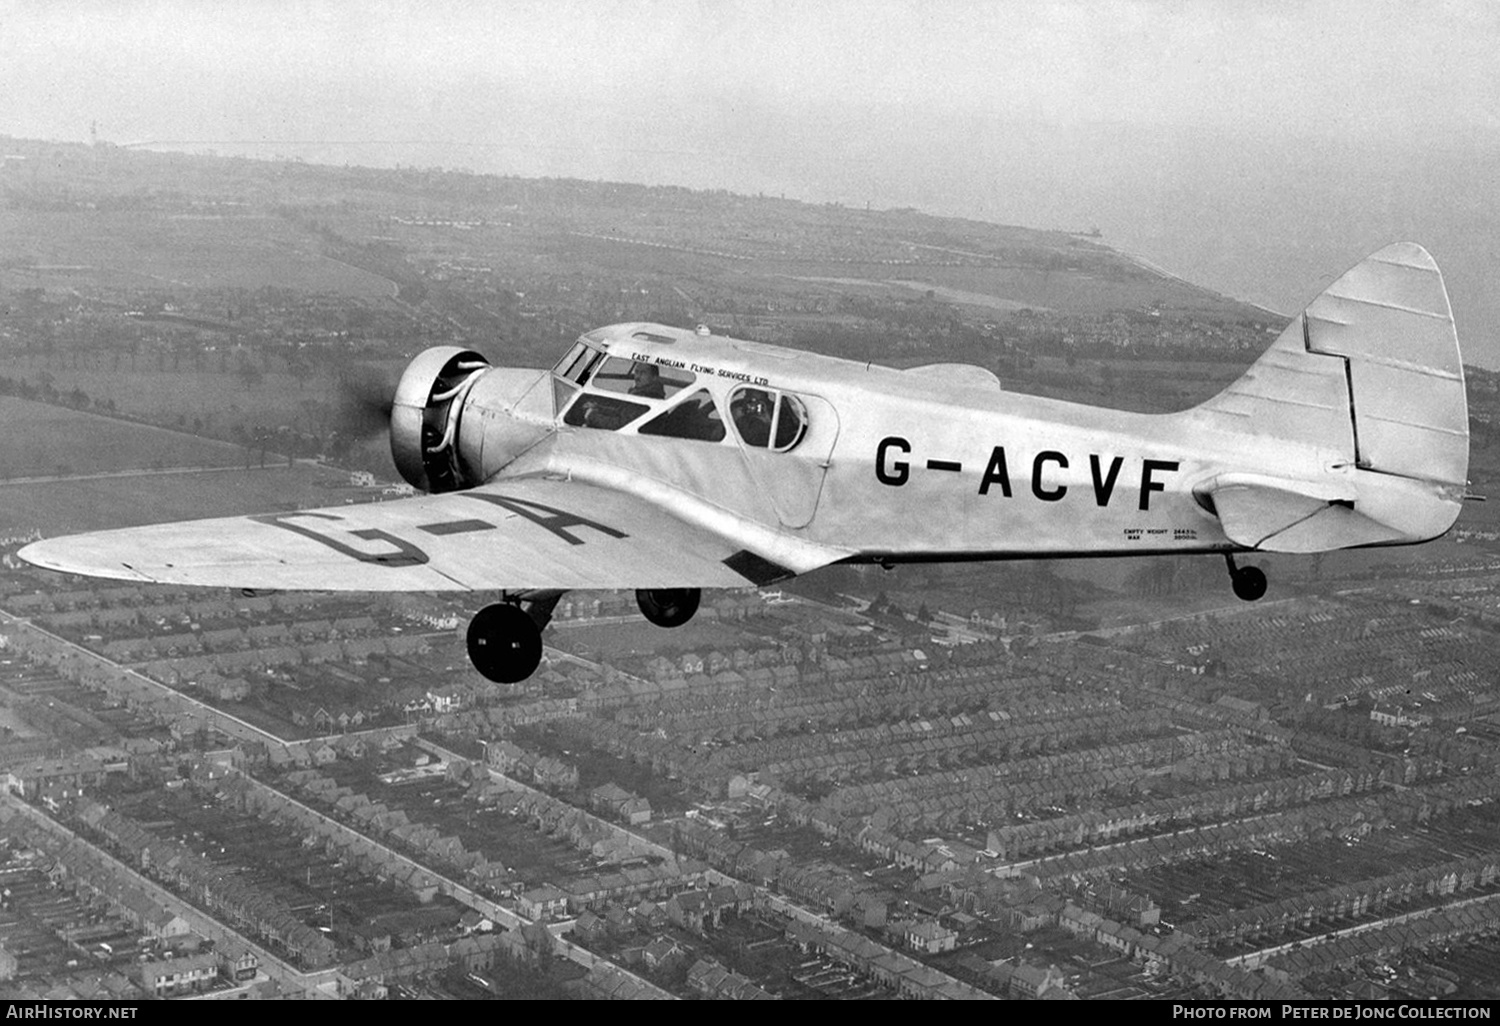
[(668, 461), (916, 465)]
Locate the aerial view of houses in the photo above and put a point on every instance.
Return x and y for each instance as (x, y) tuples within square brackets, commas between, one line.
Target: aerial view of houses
[(1020, 781)]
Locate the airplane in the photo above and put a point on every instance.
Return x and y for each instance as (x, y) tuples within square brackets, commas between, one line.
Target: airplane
[(668, 461)]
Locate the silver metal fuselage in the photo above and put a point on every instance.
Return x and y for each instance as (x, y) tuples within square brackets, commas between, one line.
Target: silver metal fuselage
[(899, 465)]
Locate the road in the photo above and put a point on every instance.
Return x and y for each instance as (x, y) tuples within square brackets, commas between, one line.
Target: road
[(764, 895), (236, 727), (462, 893), (145, 472), (227, 723), (1128, 628), (1255, 959), (318, 984)]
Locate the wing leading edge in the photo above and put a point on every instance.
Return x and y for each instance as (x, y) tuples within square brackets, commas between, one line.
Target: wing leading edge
[(520, 534)]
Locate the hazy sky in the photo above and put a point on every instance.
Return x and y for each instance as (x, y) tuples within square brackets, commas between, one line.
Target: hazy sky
[(1258, 147), (282, 65)]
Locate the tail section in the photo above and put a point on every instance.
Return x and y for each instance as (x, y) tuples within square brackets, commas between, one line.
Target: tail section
[(1389, 321), (1370, 377)]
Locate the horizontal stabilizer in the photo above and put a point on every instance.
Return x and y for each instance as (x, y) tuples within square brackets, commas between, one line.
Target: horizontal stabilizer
[(1277, 515)]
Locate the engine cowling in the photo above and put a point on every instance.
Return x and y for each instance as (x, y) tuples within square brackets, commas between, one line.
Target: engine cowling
[(426, 416)]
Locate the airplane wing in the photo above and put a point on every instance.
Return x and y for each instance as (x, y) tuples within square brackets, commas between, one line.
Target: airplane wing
[(519, 534)]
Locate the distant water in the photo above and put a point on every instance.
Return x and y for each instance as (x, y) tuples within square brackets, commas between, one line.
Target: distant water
[(1268, 221)]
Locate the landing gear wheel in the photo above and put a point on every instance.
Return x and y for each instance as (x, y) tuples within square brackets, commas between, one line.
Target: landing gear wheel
[(505, 644), (1249, 583), (668, 607)]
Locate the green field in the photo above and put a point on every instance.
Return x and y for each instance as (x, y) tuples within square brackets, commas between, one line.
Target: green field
[(60, 249), (91, 504), (52, 441), (215, 399), (1070, 291), (639, 638)]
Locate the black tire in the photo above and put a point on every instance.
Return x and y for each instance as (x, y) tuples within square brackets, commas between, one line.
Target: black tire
[(1249, 583), (505, 644), (668, 607)]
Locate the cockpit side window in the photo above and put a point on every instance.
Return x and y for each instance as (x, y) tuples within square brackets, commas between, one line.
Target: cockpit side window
[(766, 419), (640, 378), (604, 412), (696, 417)]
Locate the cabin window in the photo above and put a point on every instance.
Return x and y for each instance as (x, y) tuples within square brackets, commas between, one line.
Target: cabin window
[(696, 417), (602, 411), (766, 419), (642, 379), (752, 410), (791, 423)]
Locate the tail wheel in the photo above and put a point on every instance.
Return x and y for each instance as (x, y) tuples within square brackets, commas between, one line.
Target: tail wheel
[(668, 607), (505, 644)]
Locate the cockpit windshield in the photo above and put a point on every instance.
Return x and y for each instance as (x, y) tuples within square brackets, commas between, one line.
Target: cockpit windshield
[(608, 393), (578, 364)]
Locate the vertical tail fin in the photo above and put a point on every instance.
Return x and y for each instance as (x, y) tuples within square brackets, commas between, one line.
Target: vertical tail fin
[(1368, 382), (1371, 369)]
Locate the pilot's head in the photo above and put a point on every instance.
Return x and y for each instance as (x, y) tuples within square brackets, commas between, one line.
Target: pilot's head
[(754, 401)]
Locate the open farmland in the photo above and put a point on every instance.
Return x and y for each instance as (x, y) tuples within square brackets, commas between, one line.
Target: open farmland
[(1075, 289), (54, 441), (92, 504), (307, 404), (634, 638), (272, 397), (126, 249)]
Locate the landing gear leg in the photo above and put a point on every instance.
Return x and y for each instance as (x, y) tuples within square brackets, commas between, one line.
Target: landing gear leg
[(505, 639), (1249, 582)]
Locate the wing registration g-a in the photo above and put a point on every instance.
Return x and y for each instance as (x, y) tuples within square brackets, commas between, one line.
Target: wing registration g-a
[(534, 534), (669, 461)]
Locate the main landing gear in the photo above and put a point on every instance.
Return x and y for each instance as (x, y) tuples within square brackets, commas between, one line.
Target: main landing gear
[(1249, 582), (668, 607), (505, 639)]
